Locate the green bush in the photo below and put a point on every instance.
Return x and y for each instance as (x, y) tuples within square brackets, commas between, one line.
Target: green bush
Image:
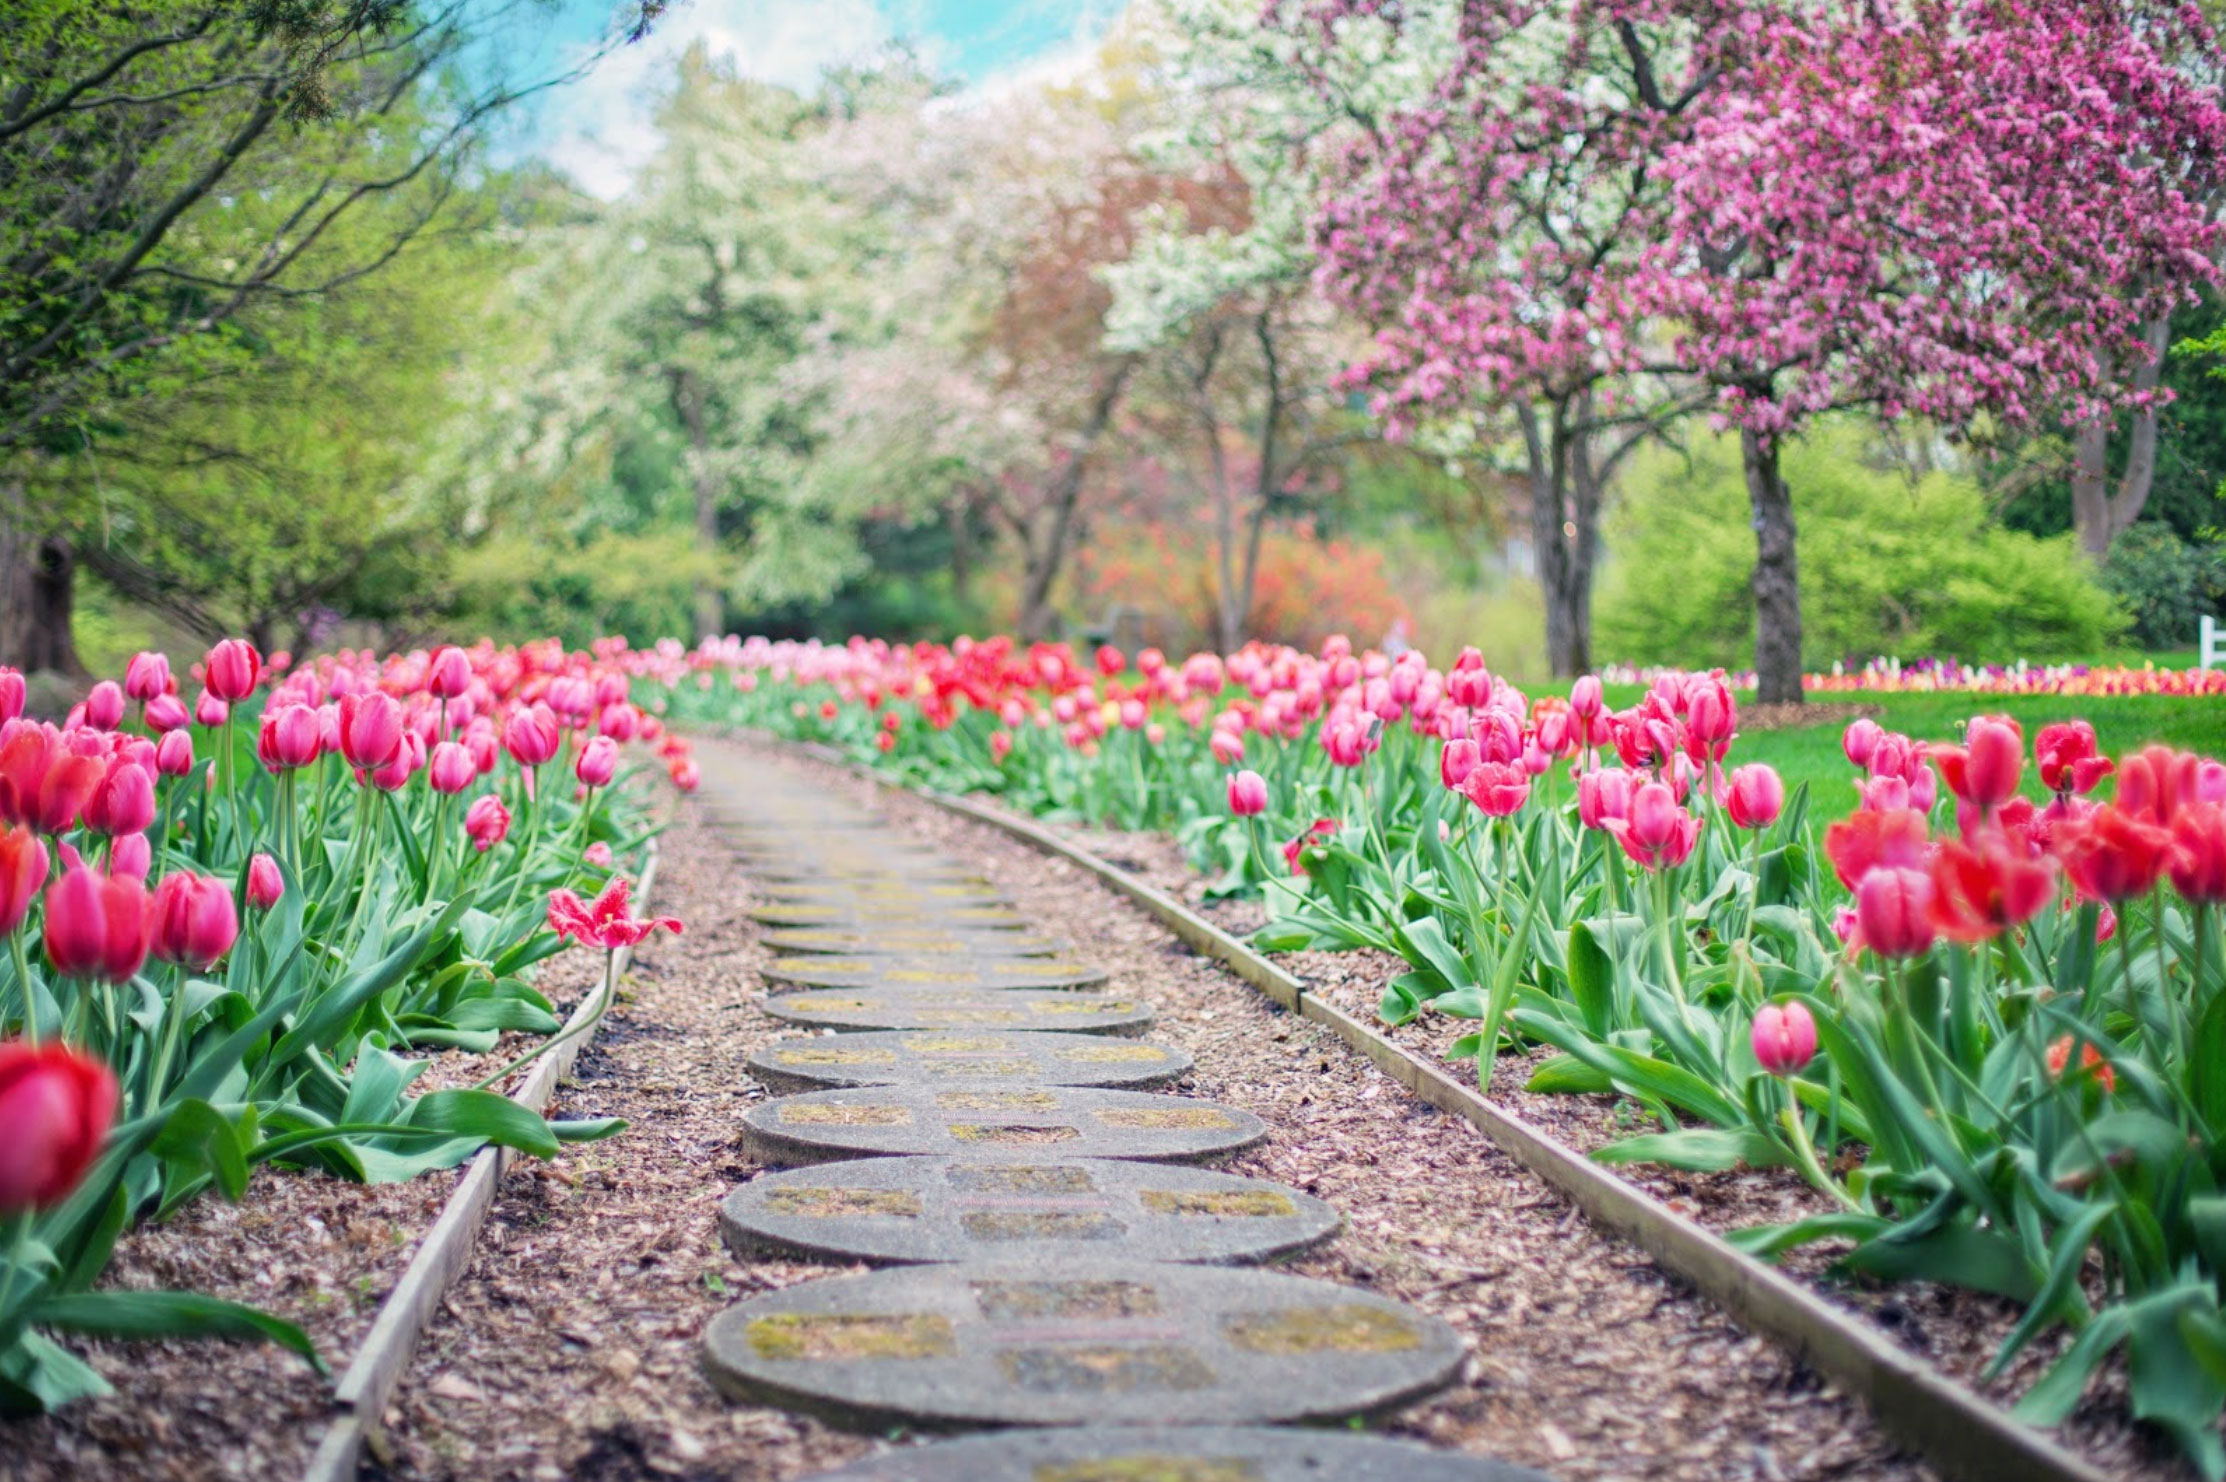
[(1889, 565), (2165, 582)]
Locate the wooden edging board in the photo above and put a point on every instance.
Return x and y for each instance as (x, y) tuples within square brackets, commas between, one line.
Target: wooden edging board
[(361, 1396), (1964, 1435)]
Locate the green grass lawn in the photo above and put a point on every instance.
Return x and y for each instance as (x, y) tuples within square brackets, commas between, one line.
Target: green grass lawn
[(1811, 754)]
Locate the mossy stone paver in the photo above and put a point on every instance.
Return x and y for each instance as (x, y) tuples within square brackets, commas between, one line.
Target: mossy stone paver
[(1127, 1453), (945, 1057), (873, 897), (864, 913), (989, 1008), (914, 941), (930, 974), (1069, 1343), (907, 1210), (1035, 1121)]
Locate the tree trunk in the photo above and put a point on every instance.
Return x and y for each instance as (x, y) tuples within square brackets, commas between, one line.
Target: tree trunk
[(1044, 553), (1777, 576), (2098, 514), (1562, 538), (709, 605), (38, 575)]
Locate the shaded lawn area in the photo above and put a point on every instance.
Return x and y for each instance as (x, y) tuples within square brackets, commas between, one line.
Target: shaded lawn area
[(1811, 753)]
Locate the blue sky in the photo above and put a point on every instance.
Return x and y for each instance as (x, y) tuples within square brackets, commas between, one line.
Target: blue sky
[(598, 130)]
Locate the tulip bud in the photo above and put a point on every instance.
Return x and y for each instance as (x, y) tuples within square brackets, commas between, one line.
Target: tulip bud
[(619, 721), (12, 693), (292, 736), (146, 676), (1784, 1038), (1248, 794), (96, 925), (1456, 762), (167, 713), (1584, 697), (210, 711), (451, 769), (486, 822), (597, 854), (194, 920), (1859, 742), (131, 855), (232, 669), (531, 736), (123, 802), (104, 706), (23, 861), (265, 885), (57, 1104), (409, 756), (1893, 910), (370, 730), (449, 675), (598, 762), (685, 774), (1756, 795)]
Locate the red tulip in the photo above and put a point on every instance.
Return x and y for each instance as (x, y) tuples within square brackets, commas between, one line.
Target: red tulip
[(2091, 1063), (57, 1104), (1984, 770), (147, 676), (605, 922), (2156, 782), (1499, 789), (1248, 794), (23, 862), (2198, 864), (1893, 911), (96, 925), (70, 782), (265, 885), (1862, 842), (195, 923), (2111, 854), (1294, 852), (292, 736), (370, 730), (1784, 1038), (1110, 660), (1755, 795), (487, 822), (597, 763), (1980, 890), (232, 669), (449, 674), (2068, 757)]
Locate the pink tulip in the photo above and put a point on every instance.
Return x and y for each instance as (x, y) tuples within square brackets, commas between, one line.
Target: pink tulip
[(194, 920), (96, 925), (146, 676), (1456, 762), (597, 854), (209, 711), (1755, 796), (451, 768), (232, 669), (57, 1104), (292, 736), (1584, 697), (409, 756), (619, 721), (1893, 911), (12, 693), (1248, 794), (167, 713), (1227, 747), (598, 762), (1784, 1038), (531, 736), (1658, 833), (370, 730), (1499, 789), (487, 822), (1859, 742), (265, 885), (123, 802), (449, 674), (131, 855), (1602, 795), (104, 706), (23, 862)]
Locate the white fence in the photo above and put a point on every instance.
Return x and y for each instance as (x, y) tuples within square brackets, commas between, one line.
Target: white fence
[(2213, 650)]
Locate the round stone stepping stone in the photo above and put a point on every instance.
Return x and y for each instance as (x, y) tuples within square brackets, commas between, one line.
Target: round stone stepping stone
[(922, 941), (910, 1210), (1190, 1453), (992, 1008), (941, 1058), (1034, 1121), (1068, 1343), (923, 913), (937, 973), (875, 899)]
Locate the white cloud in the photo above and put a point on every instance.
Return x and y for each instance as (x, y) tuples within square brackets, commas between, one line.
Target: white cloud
[(599, 130)]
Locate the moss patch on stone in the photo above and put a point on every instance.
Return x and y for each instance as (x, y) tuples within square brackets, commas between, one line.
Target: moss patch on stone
[(1151, 1467), (995, 1100), (1344, 1328), (1012, 1135), (1244, 1203), (834, 1204), (822, 1114), (1022, 1178), (1042, 1224), (795, 1335), (1165, 1118)]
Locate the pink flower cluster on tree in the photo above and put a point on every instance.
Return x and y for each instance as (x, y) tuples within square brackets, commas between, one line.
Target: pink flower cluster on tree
[(1938, 208)]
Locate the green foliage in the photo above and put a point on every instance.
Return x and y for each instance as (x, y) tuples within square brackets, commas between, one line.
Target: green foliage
[(2167, 583), (1889, 565)]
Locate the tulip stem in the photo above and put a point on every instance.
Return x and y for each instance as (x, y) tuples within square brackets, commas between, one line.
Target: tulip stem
[(19, 1250), (22, 960), (609, 991)]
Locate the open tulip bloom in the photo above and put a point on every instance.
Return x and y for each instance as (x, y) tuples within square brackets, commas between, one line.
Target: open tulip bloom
[(1982, 1013), (217, 964)]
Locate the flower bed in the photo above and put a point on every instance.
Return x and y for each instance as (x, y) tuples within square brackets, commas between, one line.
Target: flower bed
[(351, 859), (1984, 1029)]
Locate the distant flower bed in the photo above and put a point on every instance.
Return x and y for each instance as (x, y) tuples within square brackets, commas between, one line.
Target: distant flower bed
[(1918, 676)]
